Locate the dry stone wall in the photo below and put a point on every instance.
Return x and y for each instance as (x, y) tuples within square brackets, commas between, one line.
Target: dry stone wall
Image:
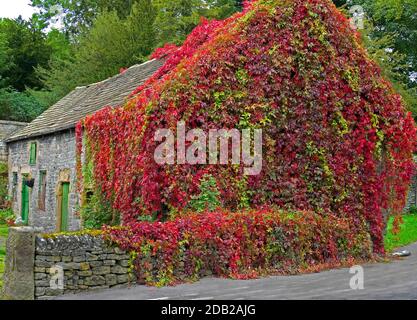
[(63, 264)]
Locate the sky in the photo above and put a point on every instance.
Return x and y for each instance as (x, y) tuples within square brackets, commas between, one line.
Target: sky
[(14, 8)]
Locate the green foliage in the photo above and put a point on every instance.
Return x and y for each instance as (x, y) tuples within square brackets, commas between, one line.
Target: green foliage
[(25, 47), (140, 28), (4, 231), (97, 54), (244, 192), (3, 236), (208, 199), (58, 80), (97, 212), (78, 14), (3, 185), (390, 36), (5, 63), (393, 63), (398, 17), (175, 17), (407, 234), (412, 210), (102, 28), (394, 18), (5, 215), (59, 44), (19, 106)]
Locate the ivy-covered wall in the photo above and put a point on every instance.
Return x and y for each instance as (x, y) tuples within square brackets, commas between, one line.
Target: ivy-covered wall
[(336, 137), (241, 245)]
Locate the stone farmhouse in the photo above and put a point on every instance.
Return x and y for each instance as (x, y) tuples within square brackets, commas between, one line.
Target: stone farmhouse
[(42, 156)]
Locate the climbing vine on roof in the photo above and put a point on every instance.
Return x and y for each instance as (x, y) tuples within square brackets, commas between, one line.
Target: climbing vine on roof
[(336, 137)]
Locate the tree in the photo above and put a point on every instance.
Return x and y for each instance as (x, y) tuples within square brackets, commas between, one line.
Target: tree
[(18, 106), (398, 19), (392, 63), (140, 25), (221, 9), (177, 18), (5, 63), (390, 35), (100, 52), (75, 14), (181, 15), (59, 44), (79, 15), (115, 34), (26, 48)]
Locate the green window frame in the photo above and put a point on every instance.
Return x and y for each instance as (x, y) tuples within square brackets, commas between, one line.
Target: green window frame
[(33, 152)]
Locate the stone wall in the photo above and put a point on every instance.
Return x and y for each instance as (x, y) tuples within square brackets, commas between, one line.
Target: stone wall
[(56, 154), (412, 192), (50, 266), (87, 263), (6, 129), (412, 195)]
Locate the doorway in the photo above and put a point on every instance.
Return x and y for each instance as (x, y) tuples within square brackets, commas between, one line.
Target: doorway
[(25, 201), (63, 206)]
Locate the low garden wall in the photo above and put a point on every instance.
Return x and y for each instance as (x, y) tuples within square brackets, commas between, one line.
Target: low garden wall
[(41, 267), (239, 245)]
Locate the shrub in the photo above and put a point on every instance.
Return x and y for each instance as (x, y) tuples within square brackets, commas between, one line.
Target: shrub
[(336, 137), (208, 198), (240, 245), (97, 212), (6, 216), (3, 185), (412, 210), (18, 106)]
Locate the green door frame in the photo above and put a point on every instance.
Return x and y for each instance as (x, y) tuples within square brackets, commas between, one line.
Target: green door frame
[(25, 202), (64, 206)]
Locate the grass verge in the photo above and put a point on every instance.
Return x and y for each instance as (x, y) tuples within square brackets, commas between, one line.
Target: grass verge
[(3, 236), (406, 236)]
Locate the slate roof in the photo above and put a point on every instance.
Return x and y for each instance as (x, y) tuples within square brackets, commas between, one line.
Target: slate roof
[(87, 100)]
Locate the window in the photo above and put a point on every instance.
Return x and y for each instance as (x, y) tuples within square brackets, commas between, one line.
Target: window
[(32, 155), (14, 186), (42, 190)]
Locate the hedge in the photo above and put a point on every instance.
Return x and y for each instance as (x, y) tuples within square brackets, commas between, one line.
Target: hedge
[(240, 245)]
